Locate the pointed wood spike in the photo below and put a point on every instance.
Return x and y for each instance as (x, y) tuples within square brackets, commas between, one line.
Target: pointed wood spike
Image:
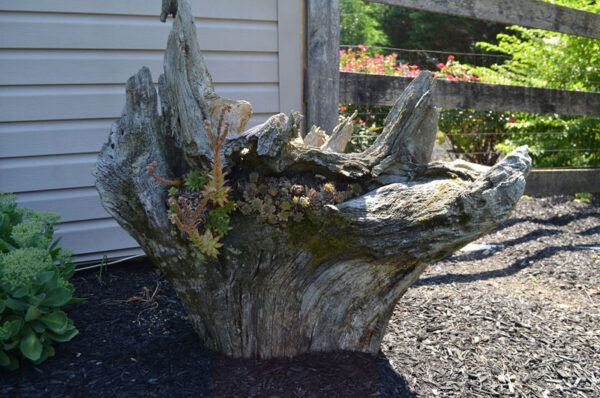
[(169, 7), (190, 92), (411, 125), (341, 135)]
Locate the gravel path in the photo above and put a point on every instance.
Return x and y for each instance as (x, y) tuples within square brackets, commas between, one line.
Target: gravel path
[(519, 319)]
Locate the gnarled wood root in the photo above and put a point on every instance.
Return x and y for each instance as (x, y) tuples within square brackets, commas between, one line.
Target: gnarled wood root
[(322, 285)]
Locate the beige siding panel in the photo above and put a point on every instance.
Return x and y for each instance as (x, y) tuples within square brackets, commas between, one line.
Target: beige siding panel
[(225, 9), (96, 258), (28, 103), (59, 31), (94, 236), (33, 67), (63, 65), (52, 137), (71, 204), (46, 173), (290, 55), (63, 136)]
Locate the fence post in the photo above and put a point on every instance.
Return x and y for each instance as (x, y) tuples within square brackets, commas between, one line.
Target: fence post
[(322, 82)]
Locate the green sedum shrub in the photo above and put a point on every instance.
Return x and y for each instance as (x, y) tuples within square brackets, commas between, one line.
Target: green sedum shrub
[(34, 285)]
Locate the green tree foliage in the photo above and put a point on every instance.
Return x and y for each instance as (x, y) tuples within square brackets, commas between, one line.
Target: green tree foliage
[(360, 23), (430, 31), (475, 133), (550, 60)]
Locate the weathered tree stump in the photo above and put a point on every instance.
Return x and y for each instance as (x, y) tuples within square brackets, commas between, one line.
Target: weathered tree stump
[(327, 282)]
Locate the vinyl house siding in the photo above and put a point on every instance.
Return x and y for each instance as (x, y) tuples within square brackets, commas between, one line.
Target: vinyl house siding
[(63, 68)]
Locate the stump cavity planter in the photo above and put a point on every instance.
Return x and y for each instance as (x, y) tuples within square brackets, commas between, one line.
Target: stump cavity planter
[(327, 279)]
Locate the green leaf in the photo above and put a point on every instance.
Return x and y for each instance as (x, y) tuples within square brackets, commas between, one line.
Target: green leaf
[(196, 180), (38, 326), (30, 346), (13, 362), (47, 352), (20, 292), (33, 313), (57, 297), (9, 346), (2, 306), (4, 359), (45, 276), (37, 299), (64, 337), (67, 271), (56, 321), (54, 244), (16, 305), (76, 300)]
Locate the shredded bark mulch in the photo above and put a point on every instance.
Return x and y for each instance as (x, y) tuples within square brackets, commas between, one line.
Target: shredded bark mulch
[(521, 318)]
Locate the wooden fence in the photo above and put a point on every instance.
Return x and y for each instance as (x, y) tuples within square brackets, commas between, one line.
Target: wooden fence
[(326, 87)]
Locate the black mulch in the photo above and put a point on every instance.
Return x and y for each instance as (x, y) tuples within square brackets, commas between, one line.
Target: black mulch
[(520, 319)]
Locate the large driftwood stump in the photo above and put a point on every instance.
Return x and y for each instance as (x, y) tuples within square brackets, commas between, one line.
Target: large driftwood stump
[(326, 284)]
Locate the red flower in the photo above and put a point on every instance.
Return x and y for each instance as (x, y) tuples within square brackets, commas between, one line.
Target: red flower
[(451, 57), (511, 120), (440, 65), (414, 67), (342, 109)]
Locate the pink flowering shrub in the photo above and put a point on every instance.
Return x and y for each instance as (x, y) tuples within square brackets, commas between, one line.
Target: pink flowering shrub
[(362, 61), (475, 134), (370, 118), (454, 70)]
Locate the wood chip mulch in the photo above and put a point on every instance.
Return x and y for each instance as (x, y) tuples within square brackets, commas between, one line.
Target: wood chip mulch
[(520, 319)]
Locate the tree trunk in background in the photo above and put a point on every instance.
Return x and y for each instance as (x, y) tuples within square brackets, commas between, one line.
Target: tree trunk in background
[(328, 282)]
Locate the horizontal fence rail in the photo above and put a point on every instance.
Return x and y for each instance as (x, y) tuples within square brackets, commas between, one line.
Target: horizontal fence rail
[(528, 13), (366, 89), (545, 182)]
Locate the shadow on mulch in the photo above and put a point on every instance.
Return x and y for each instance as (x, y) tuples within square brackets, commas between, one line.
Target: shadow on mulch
[(557, 221), (497, 273), (480, 255), (137, 348), (339, 374), (591, 231)]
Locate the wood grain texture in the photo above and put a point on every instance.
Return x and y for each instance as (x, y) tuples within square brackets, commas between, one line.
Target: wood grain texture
[(528, 13), (359, 88), (329, 282), (322, 63)]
